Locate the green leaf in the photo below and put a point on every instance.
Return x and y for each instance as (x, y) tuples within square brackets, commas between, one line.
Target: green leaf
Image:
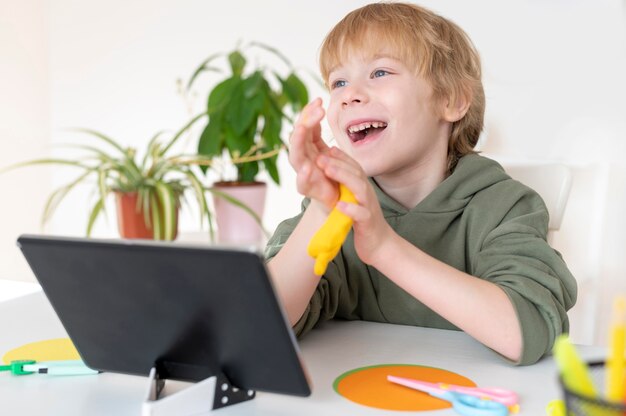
[(58, 195), (276, 106), (237, 142), (144, 195), (237, 63), (102, 185), (280, 98), (130, 174), (155, 212), (300, 96), (204, 66), (151, 147), (253, 84), (273, 51), (94, 213), (238, 113), (246, 103), (198, 190), (234, 143), (245, 114), (272, 169), (295, 92), (98, 153), (180, 132), (167, 200), (102, 137), (130, 167), (45, 162), (189, 160), (212, 139), (242, 112), (247, 172), (289, 92), (271, 129), (220, 95)]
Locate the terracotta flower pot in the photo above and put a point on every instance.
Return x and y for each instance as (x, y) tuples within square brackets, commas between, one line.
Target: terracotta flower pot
[(234, 224), (130, 219)]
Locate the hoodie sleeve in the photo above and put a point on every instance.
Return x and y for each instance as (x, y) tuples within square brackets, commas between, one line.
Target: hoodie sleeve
[(325, 300), (515, 256)]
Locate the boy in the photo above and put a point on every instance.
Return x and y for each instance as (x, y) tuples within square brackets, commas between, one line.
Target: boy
[(442, 237)]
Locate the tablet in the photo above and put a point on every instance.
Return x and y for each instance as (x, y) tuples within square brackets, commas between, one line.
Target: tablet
[(193, 311)]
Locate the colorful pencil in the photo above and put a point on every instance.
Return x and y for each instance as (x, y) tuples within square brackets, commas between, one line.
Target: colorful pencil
[(573, 370), (615, 363)]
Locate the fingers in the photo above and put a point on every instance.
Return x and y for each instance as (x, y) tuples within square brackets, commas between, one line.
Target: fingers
[(314, 184), (312, 114), (341, 168), (306, 145), (297, 146), (358, 213), (303, 178), (306, 137)]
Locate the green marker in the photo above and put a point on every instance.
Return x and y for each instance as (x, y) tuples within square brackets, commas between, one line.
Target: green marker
[(573, 370), (57, 368)]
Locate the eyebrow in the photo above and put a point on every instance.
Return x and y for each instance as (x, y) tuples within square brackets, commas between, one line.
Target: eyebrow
[(383, 56), (373, 57)]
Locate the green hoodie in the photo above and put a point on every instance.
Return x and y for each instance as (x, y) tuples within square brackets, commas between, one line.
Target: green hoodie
[(479, 221)]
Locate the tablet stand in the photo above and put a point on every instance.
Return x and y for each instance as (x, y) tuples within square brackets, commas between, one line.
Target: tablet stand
[(204, 396)]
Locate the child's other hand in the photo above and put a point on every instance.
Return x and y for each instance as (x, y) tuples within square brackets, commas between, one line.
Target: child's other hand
[(305, 147), (370, 227)]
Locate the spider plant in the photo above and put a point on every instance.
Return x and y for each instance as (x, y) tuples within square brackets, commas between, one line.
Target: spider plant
[(159, 178)]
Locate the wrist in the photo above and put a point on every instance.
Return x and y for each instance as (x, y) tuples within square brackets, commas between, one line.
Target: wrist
[(318, 208), (387, 250)]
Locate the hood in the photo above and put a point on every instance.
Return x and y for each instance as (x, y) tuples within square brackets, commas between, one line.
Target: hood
[(473, 173)]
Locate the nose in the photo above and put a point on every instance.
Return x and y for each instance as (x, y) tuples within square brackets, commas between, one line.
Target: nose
[(354, 94)]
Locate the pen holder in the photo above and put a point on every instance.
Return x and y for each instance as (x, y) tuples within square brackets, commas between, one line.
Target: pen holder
[(582, 405)]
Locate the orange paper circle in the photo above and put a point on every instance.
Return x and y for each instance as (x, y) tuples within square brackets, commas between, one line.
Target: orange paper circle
[(369, 386)]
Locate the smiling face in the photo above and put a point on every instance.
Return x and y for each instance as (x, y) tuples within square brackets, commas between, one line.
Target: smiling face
[(434, 49), (384, 115)]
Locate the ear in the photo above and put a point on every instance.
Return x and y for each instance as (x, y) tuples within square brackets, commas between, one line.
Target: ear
[(455, 108)]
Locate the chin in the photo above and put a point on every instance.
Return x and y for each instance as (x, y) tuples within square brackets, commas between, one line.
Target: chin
[(370, 169)]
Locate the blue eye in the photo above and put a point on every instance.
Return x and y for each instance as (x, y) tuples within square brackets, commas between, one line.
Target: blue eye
[(338, 84), (379, 73)]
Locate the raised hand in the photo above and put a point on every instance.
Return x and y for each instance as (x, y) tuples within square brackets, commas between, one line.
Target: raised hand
[(370, 227), (305, 147)]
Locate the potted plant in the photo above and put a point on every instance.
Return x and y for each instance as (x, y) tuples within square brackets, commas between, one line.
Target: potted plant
[(246, 111), (148, 191)]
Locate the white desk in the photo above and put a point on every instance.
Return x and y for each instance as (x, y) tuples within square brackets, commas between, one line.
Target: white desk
[(10, 289), (327, 352)]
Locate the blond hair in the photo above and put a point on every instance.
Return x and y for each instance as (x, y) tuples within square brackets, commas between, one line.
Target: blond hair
[(438, 49)]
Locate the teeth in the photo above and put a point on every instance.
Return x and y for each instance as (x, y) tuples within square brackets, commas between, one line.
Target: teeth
[(363, 126)]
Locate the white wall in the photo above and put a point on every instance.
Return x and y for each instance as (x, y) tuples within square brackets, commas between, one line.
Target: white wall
[(24, 124), (553, 73)]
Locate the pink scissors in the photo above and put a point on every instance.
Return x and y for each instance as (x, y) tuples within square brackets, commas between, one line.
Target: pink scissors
[(506, 397)]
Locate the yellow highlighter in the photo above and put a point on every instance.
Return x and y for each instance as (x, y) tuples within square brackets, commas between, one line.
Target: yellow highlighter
[(615, 364), (573, 370), (327, 241)]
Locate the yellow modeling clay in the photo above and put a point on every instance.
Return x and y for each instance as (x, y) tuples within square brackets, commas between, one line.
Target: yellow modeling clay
[(327, 241)]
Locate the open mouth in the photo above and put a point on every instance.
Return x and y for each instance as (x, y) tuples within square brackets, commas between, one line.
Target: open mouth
[(358, 132)]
